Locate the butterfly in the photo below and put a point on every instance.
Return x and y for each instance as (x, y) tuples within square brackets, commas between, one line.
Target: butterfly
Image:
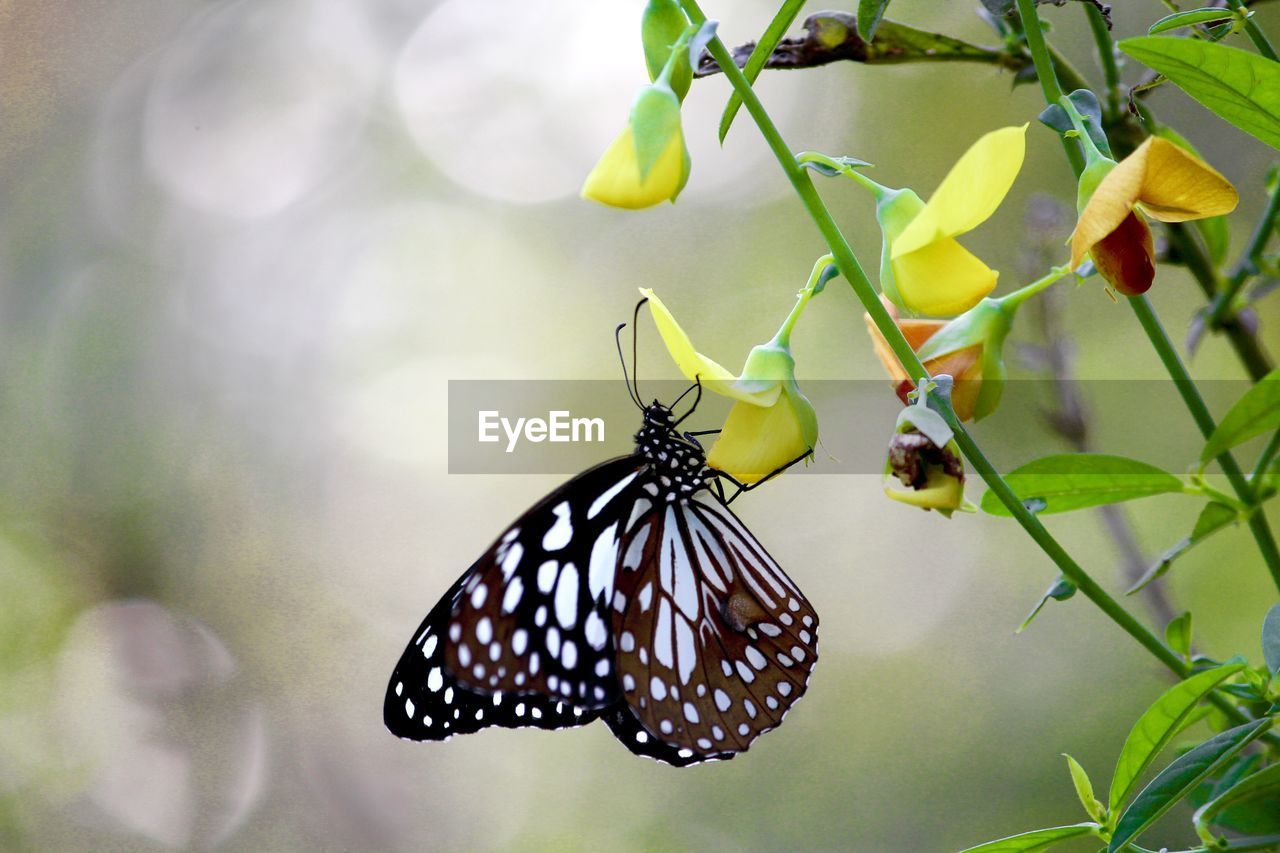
[(630, 594)]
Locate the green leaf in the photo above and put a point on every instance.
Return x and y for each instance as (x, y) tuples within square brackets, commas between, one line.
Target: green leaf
[(1257, 412), (1061, 590), (1179, 779), (1035, 840), (869, 14), (1242, 88), (1084, 790), (1188, 19), (1178, 634), (1072, 481), (1158, 725), (1271, 639), (1214, 517), (1257, 794), (759, 55)]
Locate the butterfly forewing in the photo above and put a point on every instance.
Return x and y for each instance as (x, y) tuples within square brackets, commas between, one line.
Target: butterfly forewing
[(425, 702), (533, 617), (715, 643)]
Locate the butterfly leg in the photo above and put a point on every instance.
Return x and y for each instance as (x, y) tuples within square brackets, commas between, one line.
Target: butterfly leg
[(745, 487)]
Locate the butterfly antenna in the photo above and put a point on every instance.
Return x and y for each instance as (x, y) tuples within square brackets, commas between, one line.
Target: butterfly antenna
[(617, 339), (635, 361), (696, 386)]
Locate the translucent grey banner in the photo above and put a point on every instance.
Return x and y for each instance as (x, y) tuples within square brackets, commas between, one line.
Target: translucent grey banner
[(564, 426)]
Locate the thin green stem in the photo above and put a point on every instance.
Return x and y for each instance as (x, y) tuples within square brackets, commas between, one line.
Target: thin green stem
[(1265, 458), (1255, 33), (1224, 301), (810, 290), (1196, 259), (1044, 70), (852, 271), (1013, 301), (1204, 421), (1106, 58)]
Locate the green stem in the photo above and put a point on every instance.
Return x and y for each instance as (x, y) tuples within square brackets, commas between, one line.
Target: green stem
[(1044, 70), (811, 289), (1255, 33), (852, 271), (1013, 301), (1106, 57), (1243, 341), (1204, 421), (1091, 152), (1224, 300), (1264, 460)]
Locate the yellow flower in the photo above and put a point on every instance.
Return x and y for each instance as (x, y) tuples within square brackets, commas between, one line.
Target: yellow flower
[(1160, 179), (647, 163), (772, 423), (922, 267)]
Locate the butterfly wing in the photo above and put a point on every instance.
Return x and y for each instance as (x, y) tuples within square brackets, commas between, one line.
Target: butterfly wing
[(425, 702), (715, 643), (522, 638)]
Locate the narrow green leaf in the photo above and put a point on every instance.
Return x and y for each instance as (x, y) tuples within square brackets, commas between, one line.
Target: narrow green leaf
[(1035, 840), (759, 55), (1084, 790), (1072, 481), (1188, 19), (1214, 517), (1178, 634), (1061, 590), (1257, 412), (1262, 789), (1242, 88), (1157, 726), (1179, 778), (869, 14), (1271, 639)]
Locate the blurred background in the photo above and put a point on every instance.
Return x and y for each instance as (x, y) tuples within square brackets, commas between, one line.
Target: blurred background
[(244, 246)]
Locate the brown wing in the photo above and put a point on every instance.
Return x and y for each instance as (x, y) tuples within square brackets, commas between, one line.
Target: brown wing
[(715, 643)]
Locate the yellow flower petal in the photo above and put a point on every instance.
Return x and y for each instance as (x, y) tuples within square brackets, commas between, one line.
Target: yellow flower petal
[(1168, 182), (941, 491), (758, 440), (942, 279), (616, 180), (970, 192), (1178, 186), (696, 366)]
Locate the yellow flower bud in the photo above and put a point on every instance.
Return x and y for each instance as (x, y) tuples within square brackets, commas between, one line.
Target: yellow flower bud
[(647, 163)]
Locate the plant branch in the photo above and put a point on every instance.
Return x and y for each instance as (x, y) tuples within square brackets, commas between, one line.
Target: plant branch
[(1204, 421)]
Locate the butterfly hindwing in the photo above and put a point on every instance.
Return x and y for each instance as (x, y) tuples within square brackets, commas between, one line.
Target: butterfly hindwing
[(715, 642)]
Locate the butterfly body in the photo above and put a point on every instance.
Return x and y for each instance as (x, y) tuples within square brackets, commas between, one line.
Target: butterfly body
[(630, 594)]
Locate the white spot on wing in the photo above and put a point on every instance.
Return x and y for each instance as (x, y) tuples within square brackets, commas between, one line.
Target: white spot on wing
[(562, 531), (567, 596), (600, 502), (603, 564), (595, 631), (662, 635)]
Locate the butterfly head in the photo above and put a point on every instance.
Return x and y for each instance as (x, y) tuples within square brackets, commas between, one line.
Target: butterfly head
[(677, 462)]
